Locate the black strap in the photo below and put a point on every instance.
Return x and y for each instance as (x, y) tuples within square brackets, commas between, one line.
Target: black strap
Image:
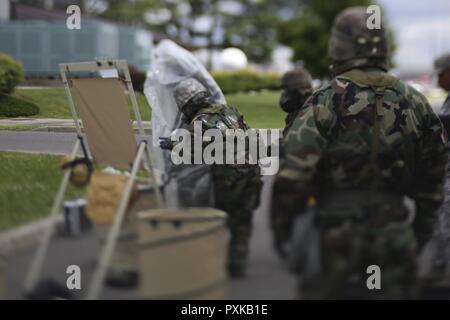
[(379, 92), (373, 167), (84, 160)]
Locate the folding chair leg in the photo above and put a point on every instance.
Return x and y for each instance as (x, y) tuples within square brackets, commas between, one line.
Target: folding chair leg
[(159, 199), (35, 268), (108, 249), (137, 114)]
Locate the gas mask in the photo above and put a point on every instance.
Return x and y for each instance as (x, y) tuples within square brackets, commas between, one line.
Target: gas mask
[(292, 100)]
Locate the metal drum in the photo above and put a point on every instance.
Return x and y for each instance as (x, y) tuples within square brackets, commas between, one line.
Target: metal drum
[(182, 253)]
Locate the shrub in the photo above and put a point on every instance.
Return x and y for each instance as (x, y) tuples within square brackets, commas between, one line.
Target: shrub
[(11, 74), (14, 107), (246, 80)]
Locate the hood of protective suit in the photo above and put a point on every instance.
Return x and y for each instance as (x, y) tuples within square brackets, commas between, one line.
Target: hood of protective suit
[(171, 64)]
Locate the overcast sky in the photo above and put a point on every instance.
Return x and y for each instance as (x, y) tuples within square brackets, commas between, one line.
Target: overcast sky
[(422, 30)]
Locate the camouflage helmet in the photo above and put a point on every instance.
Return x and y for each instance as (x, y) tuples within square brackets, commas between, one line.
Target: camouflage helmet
[(186, 90), (297, 79), (352, 44), (442, 63)]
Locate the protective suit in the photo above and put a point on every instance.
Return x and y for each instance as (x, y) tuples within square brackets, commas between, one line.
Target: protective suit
[(171, 64)]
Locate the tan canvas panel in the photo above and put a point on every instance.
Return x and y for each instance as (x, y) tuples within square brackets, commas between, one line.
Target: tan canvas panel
[(103, 107)]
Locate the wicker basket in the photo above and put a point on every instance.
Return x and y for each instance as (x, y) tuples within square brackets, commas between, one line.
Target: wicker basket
[(182, 253)]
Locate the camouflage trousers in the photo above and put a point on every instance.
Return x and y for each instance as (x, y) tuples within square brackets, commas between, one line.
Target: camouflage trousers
[(236, 191), (354, 237)]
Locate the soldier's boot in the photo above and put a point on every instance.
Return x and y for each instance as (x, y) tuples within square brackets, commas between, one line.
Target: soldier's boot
[(124, 278), (123, 272), (238, 255)]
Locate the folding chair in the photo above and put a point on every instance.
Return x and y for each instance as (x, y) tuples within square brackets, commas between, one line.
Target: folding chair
[(103, 108)]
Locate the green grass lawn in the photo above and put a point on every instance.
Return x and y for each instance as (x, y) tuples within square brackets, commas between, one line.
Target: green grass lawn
[(259, 109), (27, 187)]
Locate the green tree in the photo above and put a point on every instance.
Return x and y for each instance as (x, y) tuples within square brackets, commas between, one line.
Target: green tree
[(254, 29), (251, 28)]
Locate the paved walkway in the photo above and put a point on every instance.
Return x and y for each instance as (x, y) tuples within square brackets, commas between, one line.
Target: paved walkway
[(42, 142), (267, 277), (49, 124), (39, 142)]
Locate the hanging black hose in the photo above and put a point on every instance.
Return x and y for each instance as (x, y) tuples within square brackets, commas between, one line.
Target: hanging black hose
[(82, 168)]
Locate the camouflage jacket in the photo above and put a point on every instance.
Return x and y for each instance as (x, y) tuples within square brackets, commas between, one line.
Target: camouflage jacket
[(221, 117), (329, 146), (289, 120)]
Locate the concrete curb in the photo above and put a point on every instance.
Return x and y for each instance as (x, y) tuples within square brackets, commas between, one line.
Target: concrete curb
[(26, 236)]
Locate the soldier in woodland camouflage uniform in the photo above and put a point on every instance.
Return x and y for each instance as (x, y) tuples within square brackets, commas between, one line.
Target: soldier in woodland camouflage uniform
[(297, 88), (359, 145), (236, 186), (296, 85)]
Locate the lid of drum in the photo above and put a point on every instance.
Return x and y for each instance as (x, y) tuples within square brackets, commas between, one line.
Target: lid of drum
[(182, 214)]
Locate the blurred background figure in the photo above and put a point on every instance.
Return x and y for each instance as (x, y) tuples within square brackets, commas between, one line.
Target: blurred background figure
[(297, 87), (442, 66), (440, 244)]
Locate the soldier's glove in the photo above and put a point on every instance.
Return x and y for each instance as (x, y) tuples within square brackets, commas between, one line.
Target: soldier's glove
[(165, 143)]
